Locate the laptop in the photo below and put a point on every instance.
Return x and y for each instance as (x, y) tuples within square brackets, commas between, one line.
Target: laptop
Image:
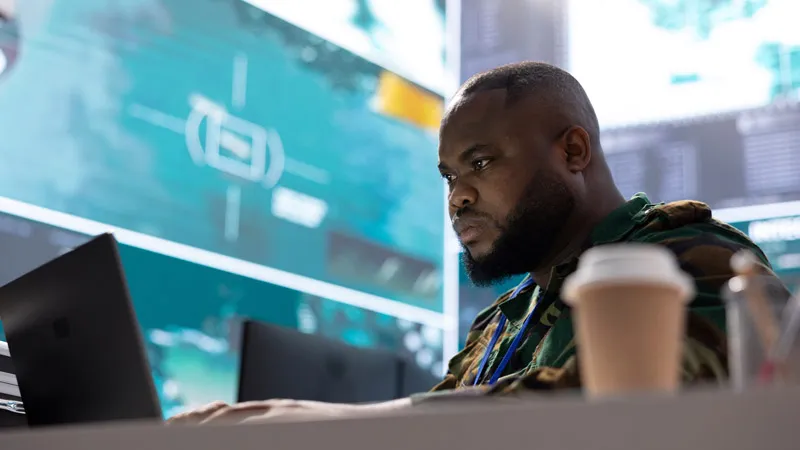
[(279, 362), (77, 350)]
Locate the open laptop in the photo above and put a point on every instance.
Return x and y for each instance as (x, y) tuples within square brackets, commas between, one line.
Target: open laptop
[(279, 362), (75, 341)]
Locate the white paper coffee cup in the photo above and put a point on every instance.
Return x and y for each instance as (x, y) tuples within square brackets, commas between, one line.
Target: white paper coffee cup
[(629, 303)]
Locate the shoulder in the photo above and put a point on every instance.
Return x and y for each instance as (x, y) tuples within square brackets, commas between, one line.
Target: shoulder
[(703, 245), (689, 230)]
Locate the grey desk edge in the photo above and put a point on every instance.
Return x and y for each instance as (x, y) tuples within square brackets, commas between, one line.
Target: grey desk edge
[(756, 420)]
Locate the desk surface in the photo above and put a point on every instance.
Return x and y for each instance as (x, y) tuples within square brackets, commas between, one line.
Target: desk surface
[(756, 420)]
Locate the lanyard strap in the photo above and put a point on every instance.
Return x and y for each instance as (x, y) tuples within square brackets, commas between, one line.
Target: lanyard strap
[(497, 332)]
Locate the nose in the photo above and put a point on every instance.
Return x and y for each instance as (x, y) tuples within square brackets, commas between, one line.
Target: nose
[(462, 194)]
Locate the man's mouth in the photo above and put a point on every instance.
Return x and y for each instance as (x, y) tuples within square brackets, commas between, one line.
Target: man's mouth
[(469, 229), (470, 234)]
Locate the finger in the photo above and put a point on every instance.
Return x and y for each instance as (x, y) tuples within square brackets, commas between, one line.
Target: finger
[(240, 411), (218, 410), (291, 415), (257, 404), (285, 403), (197, 415), (192, 415), (233, 415)]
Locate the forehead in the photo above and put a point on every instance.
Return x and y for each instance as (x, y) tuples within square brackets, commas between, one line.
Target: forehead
[(474, 115)]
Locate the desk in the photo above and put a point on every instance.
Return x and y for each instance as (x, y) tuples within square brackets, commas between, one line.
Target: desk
[(709, 421)]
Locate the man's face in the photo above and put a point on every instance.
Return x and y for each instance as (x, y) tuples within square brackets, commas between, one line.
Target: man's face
[(508, 200)]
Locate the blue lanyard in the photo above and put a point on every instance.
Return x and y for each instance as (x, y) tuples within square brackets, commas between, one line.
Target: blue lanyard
[(497, 332)]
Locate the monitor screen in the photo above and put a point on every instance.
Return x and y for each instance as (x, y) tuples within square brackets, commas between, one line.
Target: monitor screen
[(248, 167), (263, 142)]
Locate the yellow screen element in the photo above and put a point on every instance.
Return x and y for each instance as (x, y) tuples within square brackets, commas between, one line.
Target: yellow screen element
[(402, 100)]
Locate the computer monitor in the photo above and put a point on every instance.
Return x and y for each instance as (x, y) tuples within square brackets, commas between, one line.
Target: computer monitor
[(75, 341), (278, 362)]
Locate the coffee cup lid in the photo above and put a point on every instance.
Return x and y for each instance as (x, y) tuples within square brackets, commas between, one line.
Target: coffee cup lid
[(627, 263)]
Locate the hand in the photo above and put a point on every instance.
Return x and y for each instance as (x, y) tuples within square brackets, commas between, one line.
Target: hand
[(259, 411), (273, 410)]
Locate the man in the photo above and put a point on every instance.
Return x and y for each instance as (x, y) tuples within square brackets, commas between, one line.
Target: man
[(529, 192)]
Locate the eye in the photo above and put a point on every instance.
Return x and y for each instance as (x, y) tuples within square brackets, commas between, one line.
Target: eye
[(480, 164), (449, 177)]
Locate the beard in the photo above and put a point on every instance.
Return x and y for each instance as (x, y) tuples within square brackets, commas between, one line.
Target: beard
[(528, 235)]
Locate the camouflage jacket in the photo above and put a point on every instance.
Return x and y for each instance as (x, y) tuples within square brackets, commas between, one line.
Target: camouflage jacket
[(545, 358)]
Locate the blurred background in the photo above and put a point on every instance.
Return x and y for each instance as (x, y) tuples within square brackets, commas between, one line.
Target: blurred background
[(276, 159)]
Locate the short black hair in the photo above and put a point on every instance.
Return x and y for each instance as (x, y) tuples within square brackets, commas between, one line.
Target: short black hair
[(554, 84)]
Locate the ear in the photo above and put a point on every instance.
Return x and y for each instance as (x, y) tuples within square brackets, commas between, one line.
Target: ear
[(577, 147)]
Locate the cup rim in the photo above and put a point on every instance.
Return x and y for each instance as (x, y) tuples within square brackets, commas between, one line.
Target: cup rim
[(632, 263)]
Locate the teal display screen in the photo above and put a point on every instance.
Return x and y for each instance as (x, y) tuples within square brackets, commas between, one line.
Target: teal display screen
[(216, 125), (248, 167)]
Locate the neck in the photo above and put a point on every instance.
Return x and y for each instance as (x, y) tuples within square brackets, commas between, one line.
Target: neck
[(576, 232)]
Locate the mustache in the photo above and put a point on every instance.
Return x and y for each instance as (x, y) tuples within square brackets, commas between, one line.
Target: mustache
[(468, 212)]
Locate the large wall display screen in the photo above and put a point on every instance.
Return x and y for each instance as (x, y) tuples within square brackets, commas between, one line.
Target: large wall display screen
[(220, 127), (248, 167)]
